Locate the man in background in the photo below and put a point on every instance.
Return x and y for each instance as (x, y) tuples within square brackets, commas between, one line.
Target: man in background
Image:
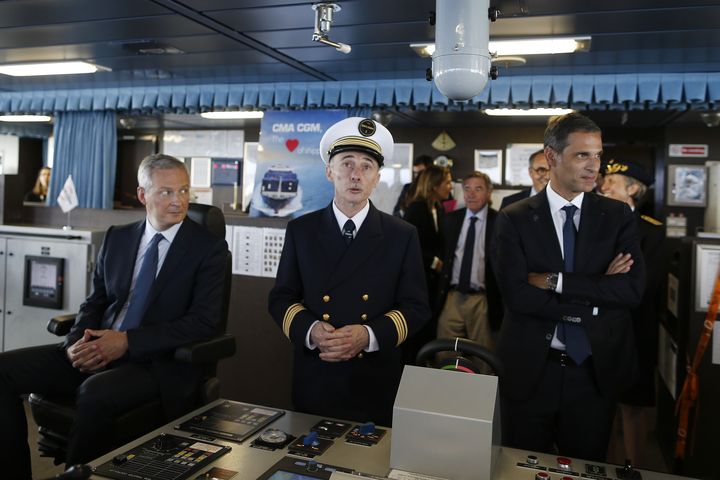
[(472, 307), (539, 171)]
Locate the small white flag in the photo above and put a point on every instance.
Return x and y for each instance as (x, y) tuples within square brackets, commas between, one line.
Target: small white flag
[(68, 198)]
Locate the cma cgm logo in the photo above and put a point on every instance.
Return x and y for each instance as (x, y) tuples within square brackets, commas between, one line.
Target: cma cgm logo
[(296, 127)]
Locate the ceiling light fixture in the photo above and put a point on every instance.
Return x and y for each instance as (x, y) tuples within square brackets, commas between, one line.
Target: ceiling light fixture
[(323, 21), (531, 112), (232, 115), (49, 68), (25, 118), (526, 46)]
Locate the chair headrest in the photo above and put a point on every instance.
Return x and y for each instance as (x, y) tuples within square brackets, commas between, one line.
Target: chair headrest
[(208, 216)]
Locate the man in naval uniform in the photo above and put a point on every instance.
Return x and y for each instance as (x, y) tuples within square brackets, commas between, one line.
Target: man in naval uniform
[(350, 286)]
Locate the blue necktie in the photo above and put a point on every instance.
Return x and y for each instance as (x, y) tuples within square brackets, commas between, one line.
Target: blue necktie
[(348, 231), (463, 285), (143, 284), (573, 336)]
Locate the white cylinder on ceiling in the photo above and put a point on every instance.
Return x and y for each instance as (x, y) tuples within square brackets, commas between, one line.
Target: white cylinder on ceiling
[(461, 62)]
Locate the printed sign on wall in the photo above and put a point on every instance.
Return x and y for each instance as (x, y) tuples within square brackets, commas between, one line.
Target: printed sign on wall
[(290, 177)]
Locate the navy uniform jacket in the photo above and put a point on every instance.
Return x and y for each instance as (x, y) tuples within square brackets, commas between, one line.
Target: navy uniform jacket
[(378, 280), (526, 242), (185, 304), (453, 225)]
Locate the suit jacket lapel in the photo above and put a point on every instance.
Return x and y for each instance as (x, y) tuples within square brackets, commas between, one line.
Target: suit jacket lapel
[(368, 239), (541, 221), (331, 245)]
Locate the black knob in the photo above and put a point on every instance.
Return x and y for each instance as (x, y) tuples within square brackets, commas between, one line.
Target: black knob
[(119, 459), (431, 17), (428, 74), (494, 72), (493, 13)]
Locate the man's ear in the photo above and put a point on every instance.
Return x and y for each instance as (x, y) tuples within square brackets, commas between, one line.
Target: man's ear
[(328, 172), (141, 195), (632, 189), (550, 156)]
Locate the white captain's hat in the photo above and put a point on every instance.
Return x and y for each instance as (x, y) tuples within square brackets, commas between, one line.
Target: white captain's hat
[(357, 134)]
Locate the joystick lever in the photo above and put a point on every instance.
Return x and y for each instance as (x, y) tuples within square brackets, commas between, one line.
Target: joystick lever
[(628, 472)]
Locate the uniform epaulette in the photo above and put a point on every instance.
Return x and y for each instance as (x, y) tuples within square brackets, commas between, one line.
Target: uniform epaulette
[(651, 220)]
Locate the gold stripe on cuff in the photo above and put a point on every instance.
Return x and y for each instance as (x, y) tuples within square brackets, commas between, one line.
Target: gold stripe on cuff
[(400, 325), (290, 313)]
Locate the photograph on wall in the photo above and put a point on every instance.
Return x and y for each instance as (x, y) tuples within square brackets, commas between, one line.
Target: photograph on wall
[(687, 185), (290, 175), (517, 158), (489, 162)]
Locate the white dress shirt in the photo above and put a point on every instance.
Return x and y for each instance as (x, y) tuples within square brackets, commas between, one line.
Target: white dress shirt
[(477, 272), (163, 247)]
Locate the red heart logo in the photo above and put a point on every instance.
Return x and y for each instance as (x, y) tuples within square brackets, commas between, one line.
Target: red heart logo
[(292, 144)]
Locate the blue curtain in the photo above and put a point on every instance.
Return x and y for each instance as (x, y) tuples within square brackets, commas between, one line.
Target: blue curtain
[(86, 148)]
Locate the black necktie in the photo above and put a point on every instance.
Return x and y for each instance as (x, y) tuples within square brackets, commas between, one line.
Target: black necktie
[(348, 231), (466, 264), (573, 336), (143, 284)]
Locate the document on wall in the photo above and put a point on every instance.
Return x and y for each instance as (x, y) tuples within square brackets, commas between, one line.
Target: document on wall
[(272, 245), (667, 360), (247, 251), (707, 266)]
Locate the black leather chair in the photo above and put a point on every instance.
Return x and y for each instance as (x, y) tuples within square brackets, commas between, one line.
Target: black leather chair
[(54, 415), (466, 355)]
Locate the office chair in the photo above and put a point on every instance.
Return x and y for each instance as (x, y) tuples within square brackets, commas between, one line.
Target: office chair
[(465, 358), (54, 415)]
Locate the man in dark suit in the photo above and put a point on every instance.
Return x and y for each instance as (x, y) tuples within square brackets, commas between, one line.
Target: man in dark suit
[(570, 269), (350, 287), (469, 294), (157, 285), (538, 170)]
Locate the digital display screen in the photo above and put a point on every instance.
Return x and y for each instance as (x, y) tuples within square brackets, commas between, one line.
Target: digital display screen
[(283, 475), (43, 283)]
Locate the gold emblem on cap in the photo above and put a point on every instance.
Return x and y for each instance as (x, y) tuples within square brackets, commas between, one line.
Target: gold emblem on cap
[(613, 167), (367, 127)]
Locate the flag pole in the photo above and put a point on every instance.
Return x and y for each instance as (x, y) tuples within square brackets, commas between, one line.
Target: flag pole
[(67, 226)]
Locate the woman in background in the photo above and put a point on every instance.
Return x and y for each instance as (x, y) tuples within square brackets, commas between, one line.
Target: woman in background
[(40, 190), (424, 210)]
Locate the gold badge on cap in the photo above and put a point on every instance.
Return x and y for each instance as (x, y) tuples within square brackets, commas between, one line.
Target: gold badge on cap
[(366, 128)]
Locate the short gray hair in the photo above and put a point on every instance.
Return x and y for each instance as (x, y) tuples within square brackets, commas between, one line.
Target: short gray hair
[(158, 161)]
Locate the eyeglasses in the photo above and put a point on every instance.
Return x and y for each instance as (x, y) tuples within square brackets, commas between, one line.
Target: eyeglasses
[(541, 170)]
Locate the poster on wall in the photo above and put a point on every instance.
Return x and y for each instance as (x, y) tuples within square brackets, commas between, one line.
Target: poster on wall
[(290, 177), (517, 158)]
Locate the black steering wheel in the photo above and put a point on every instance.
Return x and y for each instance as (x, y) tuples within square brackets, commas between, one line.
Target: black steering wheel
[(461, 346)]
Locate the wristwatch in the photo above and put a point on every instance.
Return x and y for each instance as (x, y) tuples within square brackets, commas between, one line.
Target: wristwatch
[(551, 281)]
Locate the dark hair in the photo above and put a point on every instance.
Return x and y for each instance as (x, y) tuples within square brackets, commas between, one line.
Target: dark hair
[(560, 127), (533, 155), (426, 160)]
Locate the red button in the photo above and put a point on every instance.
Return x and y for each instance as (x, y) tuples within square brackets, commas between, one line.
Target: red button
[(564, 463), (542, 476)]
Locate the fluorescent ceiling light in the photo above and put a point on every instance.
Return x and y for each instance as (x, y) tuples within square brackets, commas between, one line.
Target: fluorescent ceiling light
[(49, 68), (526, 46), (532, 112), (231, 115), (25, 118)]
